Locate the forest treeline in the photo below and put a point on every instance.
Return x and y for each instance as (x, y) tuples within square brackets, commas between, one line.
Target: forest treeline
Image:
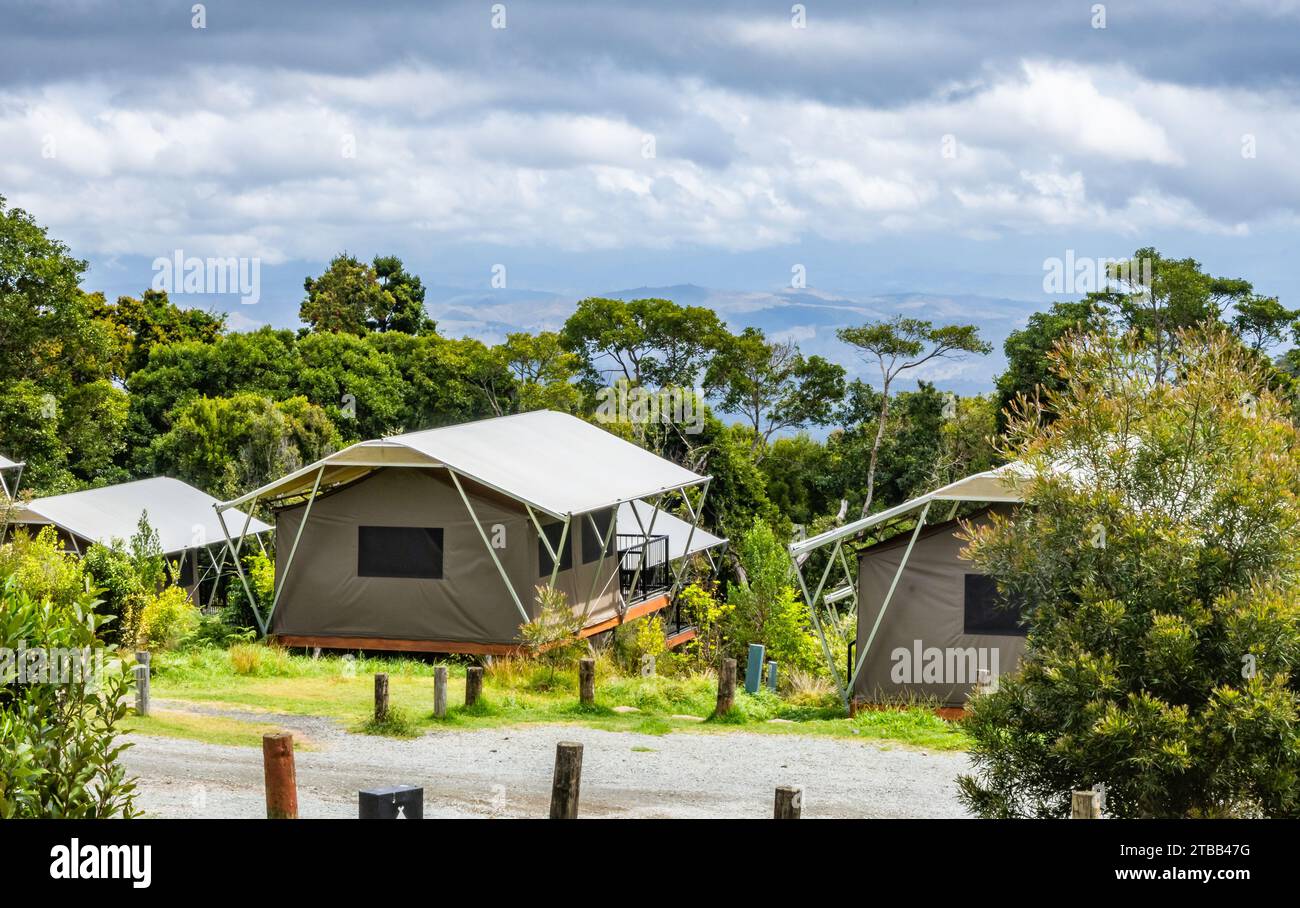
[(94, 391)]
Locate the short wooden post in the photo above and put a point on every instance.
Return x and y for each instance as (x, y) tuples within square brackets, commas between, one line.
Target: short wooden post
[(281, 778), (726, 687), (381, 697), (142, 683), (440, 692), (587, 681), (473, 684), (567, 781), (1085, 805), (789, 803)]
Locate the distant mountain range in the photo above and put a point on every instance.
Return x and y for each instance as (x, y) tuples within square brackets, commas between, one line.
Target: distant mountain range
[(808, 317)]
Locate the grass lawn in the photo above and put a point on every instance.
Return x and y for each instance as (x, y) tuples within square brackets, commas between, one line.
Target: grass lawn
[(515, 692), (209, 729)]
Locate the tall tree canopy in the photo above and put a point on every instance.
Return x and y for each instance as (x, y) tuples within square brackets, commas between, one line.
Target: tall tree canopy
[(651, 342)]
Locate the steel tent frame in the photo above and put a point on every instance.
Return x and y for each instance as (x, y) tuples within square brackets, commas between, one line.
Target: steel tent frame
[(11, 494), (426, 450), (991, 486)]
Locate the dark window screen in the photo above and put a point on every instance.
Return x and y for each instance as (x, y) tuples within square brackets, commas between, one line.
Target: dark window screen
[(987, 612), (553, 532), (414, 552), (591, 539)]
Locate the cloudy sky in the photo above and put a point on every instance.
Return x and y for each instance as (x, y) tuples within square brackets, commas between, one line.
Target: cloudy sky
[(889, 150)]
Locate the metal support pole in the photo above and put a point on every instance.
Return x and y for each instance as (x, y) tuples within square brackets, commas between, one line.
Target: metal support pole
[(239, 569)]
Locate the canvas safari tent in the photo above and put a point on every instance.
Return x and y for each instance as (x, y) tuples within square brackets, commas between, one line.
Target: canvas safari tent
[(928, 623), (184, 518), (436, 541)]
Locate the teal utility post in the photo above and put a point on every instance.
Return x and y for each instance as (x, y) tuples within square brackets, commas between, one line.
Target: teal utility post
[(754, 668), (771, 676)]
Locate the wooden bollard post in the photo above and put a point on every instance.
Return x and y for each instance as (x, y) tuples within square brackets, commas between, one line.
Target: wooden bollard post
[(567, 781), (789, 803), (1085, 805), (473, 684), (142, 683), (726, 687), (281, 778), (440, 692), (381, 697), (587, 681)]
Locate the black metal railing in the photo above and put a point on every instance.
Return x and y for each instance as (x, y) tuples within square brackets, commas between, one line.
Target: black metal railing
[(650, 574)]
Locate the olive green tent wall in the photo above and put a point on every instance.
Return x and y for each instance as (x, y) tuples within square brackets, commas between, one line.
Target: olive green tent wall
[(927, 612), (323, 596)]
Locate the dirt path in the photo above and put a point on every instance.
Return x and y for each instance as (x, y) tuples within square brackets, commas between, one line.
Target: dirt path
[(506, 772)]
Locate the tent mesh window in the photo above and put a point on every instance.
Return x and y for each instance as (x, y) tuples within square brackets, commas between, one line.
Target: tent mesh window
[(987, 612), (591, 540), (407, 552), (553, 532)]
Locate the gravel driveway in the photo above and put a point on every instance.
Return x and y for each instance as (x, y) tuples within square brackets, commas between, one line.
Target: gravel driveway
[(506, 772)]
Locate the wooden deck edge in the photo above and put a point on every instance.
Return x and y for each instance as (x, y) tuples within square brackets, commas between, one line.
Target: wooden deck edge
[(385, 644), (634, 611), (686, 635)]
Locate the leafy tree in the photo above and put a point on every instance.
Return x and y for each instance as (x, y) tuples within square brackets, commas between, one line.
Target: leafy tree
[(1159, 297), (544, 372), (799, 479), (1029, 369), (355, 382), (344, 297), (897, 346), (352, 297), (764, 606), (772, 385), (648, 342), (1156, 560), (1263, 322), (231, 445), (141, 324), (263, 362), (48, 332), (405, 312)]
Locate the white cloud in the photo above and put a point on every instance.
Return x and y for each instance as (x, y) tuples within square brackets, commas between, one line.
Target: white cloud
[(244, 161)]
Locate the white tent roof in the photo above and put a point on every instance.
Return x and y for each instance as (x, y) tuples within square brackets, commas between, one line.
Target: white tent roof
[(183, 516), (665, 524), (6, 463), (996, 485), (552, 461)]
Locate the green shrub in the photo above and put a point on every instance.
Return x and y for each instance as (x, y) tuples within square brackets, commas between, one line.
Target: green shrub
[(127, 574), (1158, 561), (58, 741), (167, 618), (553, 634)]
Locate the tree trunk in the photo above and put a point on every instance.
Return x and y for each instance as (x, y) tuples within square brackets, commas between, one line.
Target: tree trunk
[(875, 449)]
